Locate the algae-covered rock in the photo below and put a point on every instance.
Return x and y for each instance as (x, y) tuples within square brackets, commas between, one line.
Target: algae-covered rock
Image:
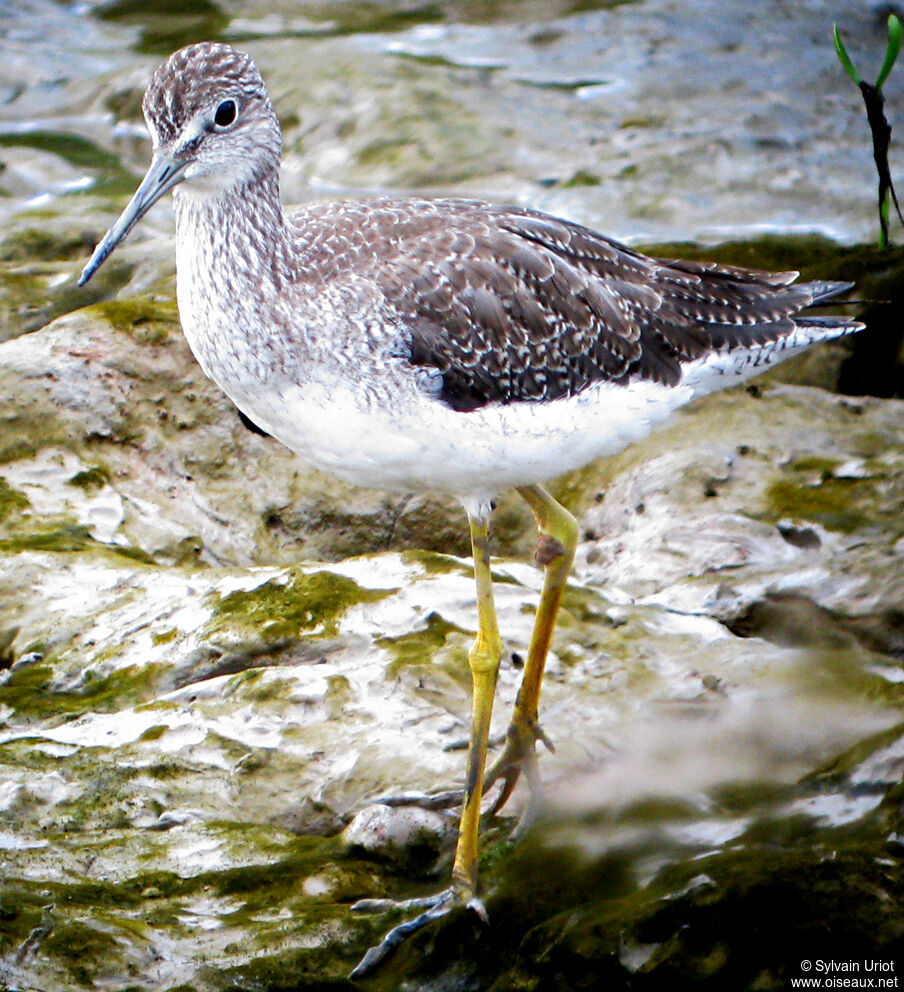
[(214, 661), (108, 425), (792, 480), (193, 731)]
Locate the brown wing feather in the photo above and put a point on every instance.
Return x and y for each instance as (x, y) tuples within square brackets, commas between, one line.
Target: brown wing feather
[(514, 305)]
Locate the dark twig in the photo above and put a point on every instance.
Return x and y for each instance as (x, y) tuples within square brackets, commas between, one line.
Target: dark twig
[(875, 115)]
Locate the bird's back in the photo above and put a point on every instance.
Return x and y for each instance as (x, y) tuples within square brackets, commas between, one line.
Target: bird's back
[(511, 305)]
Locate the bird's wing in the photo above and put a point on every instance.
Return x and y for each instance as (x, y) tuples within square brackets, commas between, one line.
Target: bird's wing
[(513, 305)]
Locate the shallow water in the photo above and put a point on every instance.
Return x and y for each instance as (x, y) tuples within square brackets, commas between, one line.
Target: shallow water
[(654, 120)]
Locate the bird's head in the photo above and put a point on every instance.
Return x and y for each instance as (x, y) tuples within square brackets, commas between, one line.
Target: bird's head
[(212, 127)]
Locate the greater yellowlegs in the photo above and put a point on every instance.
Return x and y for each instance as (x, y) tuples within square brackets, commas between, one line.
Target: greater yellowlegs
[(446, 345)]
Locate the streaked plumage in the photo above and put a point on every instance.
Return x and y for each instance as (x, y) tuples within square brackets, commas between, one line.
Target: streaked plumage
[(513, 305)]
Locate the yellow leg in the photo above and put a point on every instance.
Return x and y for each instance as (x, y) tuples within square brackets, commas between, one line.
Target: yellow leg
[(484, 661), (558, 540)]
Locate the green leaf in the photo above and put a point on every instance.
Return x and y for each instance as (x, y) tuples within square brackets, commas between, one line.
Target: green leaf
[(891, 53), (883, 224), (843, 57)]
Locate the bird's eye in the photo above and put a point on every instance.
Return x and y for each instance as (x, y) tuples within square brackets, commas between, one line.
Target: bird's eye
[(225, 114)]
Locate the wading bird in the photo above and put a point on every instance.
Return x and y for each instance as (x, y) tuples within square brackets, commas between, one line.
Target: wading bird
[(445, 345)]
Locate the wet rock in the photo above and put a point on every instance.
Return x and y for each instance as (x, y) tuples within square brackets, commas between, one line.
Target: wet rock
[(808, 466), (403, 836), (224, 723), (213, 661), (793, 619), (113, 436), (188, 723)]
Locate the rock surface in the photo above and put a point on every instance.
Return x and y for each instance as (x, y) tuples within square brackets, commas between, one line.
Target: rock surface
[(213, 661), (191, 726)]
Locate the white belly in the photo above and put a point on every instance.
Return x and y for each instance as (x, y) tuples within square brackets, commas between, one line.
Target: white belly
[(400, 438), (420, 444)]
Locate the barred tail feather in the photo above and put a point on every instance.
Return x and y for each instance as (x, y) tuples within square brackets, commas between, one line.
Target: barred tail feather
[(726, 367)]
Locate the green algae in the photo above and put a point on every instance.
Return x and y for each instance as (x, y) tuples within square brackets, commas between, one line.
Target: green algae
[(185, 552), (165, 636), (30, 753), (420, 647), (561, 919), (435, 563), (824, 257), (45, 244), (30, 692), (285, 608), (21, 911), (260, 686), (831, 503), (125, 104), (11, 500), (741, 917), (810, 488), (68, 538), (24, 433), (149, 321), (311, 968), (838, 770), (273, 883), (7, 652), (427, 140), (339, 694), (79, 152), (35, 292), (824, 467), (841, 672), (384, 151), (90, 479), (581, 178), (582, 606), (87, 952), (166, 25), (154, 733), (869, 444), (27, 302), (129, 551), (167, 770)]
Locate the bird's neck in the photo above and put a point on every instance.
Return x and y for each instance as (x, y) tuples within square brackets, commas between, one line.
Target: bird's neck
[(234, 261), (238, 235)]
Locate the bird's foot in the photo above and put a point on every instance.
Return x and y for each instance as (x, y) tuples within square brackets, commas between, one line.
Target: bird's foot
[(448, 799), (434, 907), (463, 743), (519, 756)]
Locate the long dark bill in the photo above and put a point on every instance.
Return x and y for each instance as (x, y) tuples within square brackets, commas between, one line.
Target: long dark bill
[(163, 174)]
